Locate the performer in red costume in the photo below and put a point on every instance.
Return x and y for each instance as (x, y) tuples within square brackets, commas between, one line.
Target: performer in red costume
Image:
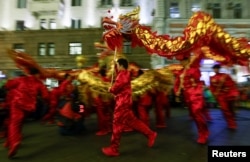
[(225, 91), (145, 103), (103, 109), (104, 115), (25, 91), (188, 81), (56, 94), (161, 103), (143, 106), (123, 114)]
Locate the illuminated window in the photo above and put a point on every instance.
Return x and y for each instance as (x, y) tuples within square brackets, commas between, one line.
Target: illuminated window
[(196, 7), (52, 24), (20, 25), (76, 2), (75, 23), (75, 48), (18, 47), (51, 49), (43, 24), (174, 10), (42, 49), (46, 49), (21, 3)]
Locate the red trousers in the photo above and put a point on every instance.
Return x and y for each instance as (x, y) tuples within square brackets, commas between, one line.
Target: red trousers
[(104, 115), (143, 106), (143, 113), (14, 134), (195, 102), (161, 104), (227, 108), (126, 118)]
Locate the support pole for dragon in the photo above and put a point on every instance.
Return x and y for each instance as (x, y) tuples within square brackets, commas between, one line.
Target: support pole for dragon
[(112, 78)]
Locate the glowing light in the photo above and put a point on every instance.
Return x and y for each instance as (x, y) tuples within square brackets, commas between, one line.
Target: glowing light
[(66, 21), (196, 7), (208, 62), (91, 18), (145, 13), (5, 19), (211, 73)]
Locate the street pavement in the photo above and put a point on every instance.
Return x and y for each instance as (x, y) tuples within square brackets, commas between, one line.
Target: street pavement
[(176, 143)]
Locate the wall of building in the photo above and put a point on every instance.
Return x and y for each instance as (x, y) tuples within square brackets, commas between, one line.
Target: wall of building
[(61, 39), (155, 13), (90, 12)]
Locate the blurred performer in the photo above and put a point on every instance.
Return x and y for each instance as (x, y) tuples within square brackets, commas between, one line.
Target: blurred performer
[(24, 92), (225, 91), (71, 113), (3, 112), (123, 114), (188, 81), (103, 109), (143, 106), (161, 104), (56, 94)]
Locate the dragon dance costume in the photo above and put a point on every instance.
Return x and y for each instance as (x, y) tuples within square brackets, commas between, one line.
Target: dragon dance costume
[(145, 102), (25, 91), (143, 105), (161, 104), (123, 115), (225, 91), (189, 81), (104, 115), (54, 99), (103, 110)]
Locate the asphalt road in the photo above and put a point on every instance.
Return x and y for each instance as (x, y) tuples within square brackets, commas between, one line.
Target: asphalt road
[(176, 143)]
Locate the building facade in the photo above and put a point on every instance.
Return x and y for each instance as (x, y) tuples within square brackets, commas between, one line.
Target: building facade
[(55, 31)]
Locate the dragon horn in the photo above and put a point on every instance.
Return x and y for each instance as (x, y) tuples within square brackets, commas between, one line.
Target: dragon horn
[(134, 15)]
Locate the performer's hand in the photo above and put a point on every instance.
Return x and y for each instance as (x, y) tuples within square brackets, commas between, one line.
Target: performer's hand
[(178, 94), (177, 99), (109, 89)]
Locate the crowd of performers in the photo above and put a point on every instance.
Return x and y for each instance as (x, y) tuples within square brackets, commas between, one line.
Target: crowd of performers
[(119, 115)]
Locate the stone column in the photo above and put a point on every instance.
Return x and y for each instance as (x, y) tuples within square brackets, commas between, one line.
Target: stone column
[(159, 25)]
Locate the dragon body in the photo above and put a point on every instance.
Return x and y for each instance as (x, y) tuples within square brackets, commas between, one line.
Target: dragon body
[(202, 36), (91, 84)]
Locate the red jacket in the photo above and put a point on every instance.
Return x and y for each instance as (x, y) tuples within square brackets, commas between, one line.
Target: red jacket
[(25, 91), (222, 84), (122, 89), (191, 78)]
